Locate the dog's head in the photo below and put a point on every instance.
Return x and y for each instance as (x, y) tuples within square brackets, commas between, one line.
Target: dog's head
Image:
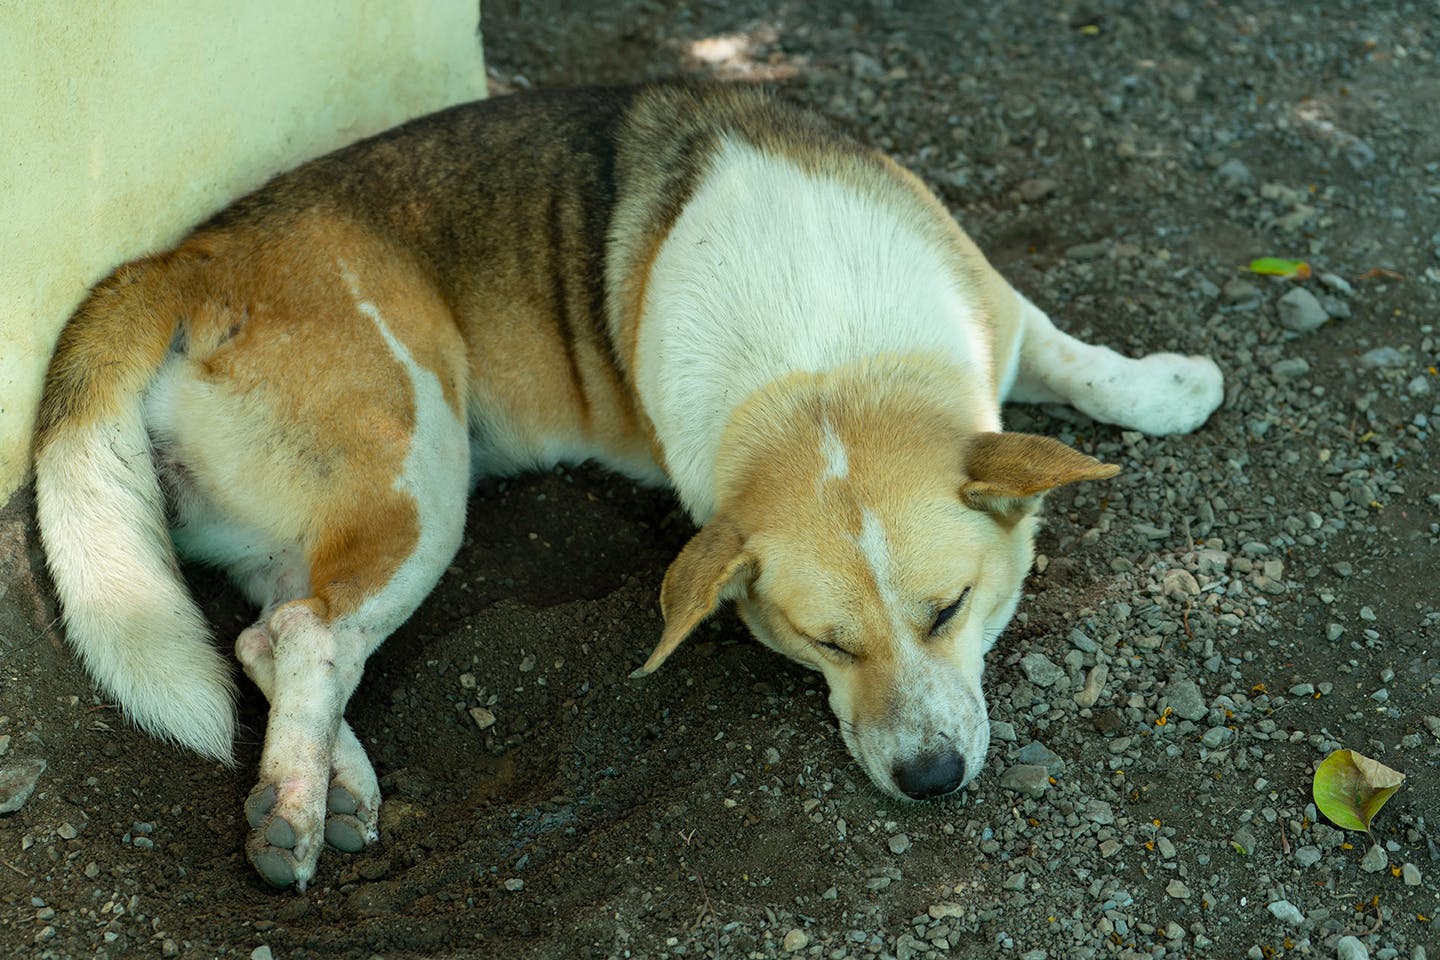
[(868, 531)]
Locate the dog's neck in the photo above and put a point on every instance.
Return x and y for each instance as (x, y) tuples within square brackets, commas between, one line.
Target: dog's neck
[(770, 271)]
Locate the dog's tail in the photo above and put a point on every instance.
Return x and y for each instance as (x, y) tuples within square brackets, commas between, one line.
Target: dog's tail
[(102, 515)]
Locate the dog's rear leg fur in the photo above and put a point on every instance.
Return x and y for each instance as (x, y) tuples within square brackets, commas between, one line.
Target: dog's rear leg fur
[(353, 799), (1160, 394)]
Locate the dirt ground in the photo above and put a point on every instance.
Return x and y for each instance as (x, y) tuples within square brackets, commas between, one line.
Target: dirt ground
[(1258, 593)]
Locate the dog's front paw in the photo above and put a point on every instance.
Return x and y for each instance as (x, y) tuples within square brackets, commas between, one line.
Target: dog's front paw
[(1161, 394), (286, 833)]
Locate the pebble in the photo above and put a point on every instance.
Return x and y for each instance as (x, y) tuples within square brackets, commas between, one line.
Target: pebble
[(1418, 387), (795, 940), (17, 782), (1350, 947), (1382, 357), (1089, 695), (1286, 912), (1040, 669), (1027, 778), (1291, 368), (1411, 875), (1308, 855), (1374, 860), (1037, 753), (1239, 291), (1234, 174), (899, 843), (1300, 311), (514, 884), (1185, 699), (484, 719), (948, 909), (1217, 737), (1002, 730), (262, 952), (1178, 889), (1037, 189)]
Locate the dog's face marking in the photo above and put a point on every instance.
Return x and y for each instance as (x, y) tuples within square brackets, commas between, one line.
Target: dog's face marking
[(832, 449)]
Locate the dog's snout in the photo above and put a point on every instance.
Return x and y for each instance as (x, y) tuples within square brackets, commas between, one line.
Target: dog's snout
[(930, 774)]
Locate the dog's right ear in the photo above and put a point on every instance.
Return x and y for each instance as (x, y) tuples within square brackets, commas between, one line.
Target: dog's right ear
[(1010, 471), (712, 560)]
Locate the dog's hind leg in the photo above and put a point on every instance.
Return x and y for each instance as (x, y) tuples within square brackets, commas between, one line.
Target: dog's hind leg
[(353, 799), (1159, 394)]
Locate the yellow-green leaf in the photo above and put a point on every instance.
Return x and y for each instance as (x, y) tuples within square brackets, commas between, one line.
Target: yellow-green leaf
[(1350, 788), (1276, 267)]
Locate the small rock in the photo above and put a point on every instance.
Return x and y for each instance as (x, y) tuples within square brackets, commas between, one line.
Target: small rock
[(1179, 584), (1094, 686), (1382, 357), (1239, 291), (1178, 890), (1002, 730), (1217, 737), (1350, 947), (1374, 860), (1037, 753), (514, 884), (1291, 368), (1337, 284), (1185, 699), (942, 911), (899, 843), (1037, 189), (1286, 912), (1027, 778), (1040, 669), (17, 782), (1418, 387), (1098, 811), (1308, 855), (169, 948), (1411, 874), (1234, 174), (484, 719), (795, 940), (1301, 312), (67, 831), (1086, 251), (1109, 848), (1334, 632), (261, 952)]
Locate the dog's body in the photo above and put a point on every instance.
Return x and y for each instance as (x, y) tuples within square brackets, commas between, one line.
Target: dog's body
[(697, 286)]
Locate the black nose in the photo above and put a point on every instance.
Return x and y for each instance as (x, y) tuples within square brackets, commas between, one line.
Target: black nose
[(930, 775)]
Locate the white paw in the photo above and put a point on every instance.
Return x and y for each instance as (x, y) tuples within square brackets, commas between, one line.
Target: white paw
[(1160, 394)]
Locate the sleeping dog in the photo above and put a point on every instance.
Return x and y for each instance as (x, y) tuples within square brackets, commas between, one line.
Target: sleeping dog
[(696, 286)]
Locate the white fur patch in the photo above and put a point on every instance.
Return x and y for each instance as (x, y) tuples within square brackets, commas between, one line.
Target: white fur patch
[(435, 476), (876, 548), (832, 452), (770, 270), (1160, 394)]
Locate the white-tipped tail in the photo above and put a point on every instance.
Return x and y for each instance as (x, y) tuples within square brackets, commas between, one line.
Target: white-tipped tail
[(127, 610)]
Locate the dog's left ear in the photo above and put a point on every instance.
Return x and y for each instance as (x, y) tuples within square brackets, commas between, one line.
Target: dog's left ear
[(1009, 471), (713, 559)]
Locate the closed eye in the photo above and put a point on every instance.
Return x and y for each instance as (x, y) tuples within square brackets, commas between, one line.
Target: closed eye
[(834, 649), (948, 613)]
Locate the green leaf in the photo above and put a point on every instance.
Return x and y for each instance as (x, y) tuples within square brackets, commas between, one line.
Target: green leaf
[(1276, 267), (1350, 788)]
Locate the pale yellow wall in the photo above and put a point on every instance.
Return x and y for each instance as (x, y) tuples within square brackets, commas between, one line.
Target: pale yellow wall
[(123, 122)]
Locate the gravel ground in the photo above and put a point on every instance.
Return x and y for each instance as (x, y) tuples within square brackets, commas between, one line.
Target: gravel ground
[(1198, 634)]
